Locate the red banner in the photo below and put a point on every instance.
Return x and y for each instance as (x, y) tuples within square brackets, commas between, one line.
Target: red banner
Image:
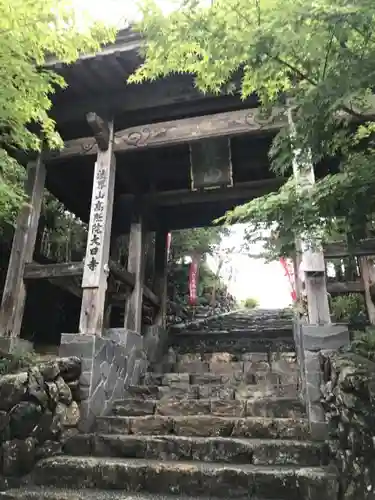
[(289, 272), (169, 241), (193, 281)]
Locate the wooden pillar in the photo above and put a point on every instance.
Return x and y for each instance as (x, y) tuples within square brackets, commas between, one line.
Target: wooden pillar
[(366, 265), (312, 258), (14, 295), (161, 276), (95, 273), (136, 266)]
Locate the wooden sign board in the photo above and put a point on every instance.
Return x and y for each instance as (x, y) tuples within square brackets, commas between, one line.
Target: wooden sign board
[(100, 220), (211, 164)]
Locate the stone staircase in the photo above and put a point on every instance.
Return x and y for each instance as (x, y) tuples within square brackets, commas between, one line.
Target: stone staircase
[(220, 418)]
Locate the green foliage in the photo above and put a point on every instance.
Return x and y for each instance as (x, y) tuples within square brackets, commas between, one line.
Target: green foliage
[(64, 235), (250, 303), (320, 53), (364, 343), (30, 33), (348, 308), (201, 240), (17, 361)]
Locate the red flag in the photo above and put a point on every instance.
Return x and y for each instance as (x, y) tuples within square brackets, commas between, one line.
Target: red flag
[(290, 274), (193, 281), (169, 241)]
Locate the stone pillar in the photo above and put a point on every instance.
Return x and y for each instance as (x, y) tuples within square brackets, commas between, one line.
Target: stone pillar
[(318, 333)]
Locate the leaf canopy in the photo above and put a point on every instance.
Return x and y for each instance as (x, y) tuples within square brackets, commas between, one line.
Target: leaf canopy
[(320, 53), (31, 32)]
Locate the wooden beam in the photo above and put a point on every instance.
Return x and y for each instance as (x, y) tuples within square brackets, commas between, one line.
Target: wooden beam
[(179, 131), (338, 287), (35, 271), (128, 278), (96, 269), (136, 266), (14, 294), (57, 274), (340, 249), (187, 197), (161, 275), (100, 130)]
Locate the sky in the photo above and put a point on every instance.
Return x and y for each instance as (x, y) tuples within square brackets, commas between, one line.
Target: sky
[(246, 277), (253, 277)]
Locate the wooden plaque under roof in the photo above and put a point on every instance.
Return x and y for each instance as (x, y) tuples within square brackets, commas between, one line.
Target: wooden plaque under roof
[(211, 164)]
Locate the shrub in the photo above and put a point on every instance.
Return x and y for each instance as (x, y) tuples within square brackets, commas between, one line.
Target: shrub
[(349, 308), (250, 303), (17, 361), (364, 343)]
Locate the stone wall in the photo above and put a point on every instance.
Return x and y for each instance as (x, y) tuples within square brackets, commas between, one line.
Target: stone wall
[(109, 365), (38, 408), (348, 397)]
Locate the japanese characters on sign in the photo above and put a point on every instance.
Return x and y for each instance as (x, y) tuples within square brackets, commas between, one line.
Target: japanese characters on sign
[(97, 226), (193, 281)]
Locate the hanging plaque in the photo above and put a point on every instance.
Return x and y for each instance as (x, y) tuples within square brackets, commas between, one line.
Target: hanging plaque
[(211, 164)]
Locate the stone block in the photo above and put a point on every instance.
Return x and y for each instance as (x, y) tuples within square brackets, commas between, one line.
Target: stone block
[(134, 341), (199, 426), (183, 407), (226, 368), (255, 357), (150, 425), (18, 456), (78, 345), (134, 407), (118, 335), (316, 338), (312, 387), (109, 364), (228, 408), (255, 366), (215, 391), (176, 378), (207, 378), (193, 367), (319, 431), (189, 358), (178, 392)]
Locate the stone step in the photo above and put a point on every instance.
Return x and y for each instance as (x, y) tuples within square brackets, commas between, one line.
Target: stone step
[(234, 346), (262, 407), (212, 449), (251, 333), (225, 356), (172, 379), (213, 391), (35, 493), (229, 367), (206, 426), (193, 478)]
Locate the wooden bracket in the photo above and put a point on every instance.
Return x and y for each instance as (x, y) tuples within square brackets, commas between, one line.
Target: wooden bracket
[(100, 130)]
